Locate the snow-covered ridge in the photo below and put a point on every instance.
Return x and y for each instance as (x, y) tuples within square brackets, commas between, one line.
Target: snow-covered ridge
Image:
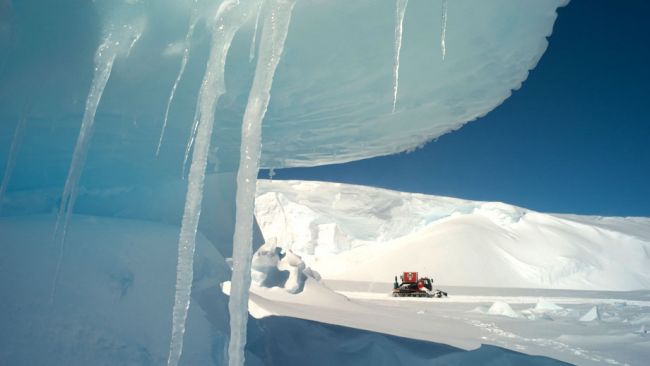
[(369, 234)]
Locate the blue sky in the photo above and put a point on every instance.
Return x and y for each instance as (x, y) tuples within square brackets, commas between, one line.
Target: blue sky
[(575, 138)]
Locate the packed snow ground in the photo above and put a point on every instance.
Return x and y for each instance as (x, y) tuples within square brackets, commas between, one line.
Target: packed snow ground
[(584, 328)]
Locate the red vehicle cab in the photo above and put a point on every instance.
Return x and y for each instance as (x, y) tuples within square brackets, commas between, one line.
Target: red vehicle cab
[(410, 277)]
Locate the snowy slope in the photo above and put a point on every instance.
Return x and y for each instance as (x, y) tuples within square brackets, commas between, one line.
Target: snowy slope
[(368, 234)]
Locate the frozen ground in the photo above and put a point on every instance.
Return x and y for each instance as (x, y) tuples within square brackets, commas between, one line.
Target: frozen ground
[(530, 321)]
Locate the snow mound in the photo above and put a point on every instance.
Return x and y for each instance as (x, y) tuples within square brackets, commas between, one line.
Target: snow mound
[(368, 234), (503, 309), (592, 315), (479, 310), (545, 305), (273, 267)]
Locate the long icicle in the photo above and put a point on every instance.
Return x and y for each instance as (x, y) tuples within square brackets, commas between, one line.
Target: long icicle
[(251, 52), (399, 21), (274, 34), (104, 60), (13, 152), (230, 16), (190, 140), (187, 43), (443, 30)]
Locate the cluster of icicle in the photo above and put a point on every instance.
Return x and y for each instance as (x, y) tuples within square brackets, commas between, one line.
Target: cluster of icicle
[(230, 16)]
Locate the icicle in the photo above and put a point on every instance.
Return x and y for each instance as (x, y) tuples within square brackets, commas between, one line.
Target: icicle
[(104, 58), (13, 152), (443, 31), (186, 55), (108, 50), (399, 21), (271, 173), (230, 16), (274, 33), (251, 54), (190, 140)]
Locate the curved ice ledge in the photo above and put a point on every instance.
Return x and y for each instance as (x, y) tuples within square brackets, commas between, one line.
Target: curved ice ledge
[(332, 94)]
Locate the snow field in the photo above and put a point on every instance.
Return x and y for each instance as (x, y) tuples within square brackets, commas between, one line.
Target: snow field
[(542, 284), (348, 232)]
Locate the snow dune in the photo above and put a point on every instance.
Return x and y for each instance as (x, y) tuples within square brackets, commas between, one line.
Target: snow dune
[(348, 232)]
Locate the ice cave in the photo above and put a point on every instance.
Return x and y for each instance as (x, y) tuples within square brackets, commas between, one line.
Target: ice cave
[(132, 132)]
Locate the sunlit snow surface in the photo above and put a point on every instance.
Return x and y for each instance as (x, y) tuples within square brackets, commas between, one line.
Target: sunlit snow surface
[(368, 234), (355, 239), (332, 94)]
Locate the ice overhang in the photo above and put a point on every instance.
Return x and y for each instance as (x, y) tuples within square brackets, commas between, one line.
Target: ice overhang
[(332, 96)]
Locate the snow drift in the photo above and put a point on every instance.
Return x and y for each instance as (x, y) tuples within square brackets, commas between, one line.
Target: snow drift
[(369, 234)]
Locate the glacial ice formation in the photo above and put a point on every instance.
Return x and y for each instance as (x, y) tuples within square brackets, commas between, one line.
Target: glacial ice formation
[(332, 94), (326, 100)]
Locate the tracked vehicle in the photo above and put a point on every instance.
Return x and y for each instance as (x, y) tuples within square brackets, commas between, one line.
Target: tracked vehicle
[(412, 286)]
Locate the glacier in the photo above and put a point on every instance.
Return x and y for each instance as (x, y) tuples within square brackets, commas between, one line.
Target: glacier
[(342, 90)]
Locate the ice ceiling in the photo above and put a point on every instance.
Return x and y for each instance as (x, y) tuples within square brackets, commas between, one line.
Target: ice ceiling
[(332, 95)]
